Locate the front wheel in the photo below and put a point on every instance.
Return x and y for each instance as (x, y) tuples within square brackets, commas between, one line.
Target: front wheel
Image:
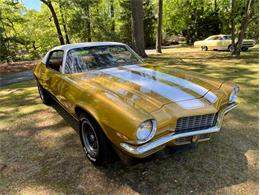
[(204, 48), (95, 143)]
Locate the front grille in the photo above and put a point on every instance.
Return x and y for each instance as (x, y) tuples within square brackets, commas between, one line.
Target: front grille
[(193, 123)]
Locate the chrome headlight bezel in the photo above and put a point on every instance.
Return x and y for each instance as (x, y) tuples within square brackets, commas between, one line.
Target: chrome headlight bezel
[(233, 95), (140, 137)]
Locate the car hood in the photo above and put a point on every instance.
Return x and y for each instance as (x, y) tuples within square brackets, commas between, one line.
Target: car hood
[(151, 87)]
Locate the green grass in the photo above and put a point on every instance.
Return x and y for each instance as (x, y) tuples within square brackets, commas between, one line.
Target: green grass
[(41, 153)]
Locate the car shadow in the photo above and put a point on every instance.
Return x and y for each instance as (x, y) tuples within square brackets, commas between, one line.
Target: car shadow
[(197, 168)]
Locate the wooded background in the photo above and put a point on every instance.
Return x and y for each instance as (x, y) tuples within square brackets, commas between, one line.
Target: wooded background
[(27, 34)]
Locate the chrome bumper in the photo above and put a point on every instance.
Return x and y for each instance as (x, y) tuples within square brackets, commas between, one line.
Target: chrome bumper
[(153, 146)]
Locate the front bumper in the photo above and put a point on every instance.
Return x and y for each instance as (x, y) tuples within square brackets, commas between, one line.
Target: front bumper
[(153, 146)]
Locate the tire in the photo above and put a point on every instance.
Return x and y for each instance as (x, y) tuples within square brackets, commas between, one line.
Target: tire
[(44, 95), (244, 48), (96, 145), (204, 48), (231, 48)]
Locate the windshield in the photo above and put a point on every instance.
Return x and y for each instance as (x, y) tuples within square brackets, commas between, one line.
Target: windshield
[(99, 57)]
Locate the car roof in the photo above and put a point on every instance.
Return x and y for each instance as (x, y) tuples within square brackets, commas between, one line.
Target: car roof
[(85, 44)]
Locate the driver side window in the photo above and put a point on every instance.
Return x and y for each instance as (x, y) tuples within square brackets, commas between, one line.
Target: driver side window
[(213, 38), (55, 60)]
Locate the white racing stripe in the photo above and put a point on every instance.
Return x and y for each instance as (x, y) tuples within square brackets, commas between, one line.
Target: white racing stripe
[(147, 83), (211, 97)]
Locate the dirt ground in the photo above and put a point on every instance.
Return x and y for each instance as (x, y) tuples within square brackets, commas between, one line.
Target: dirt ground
[(41, 153), (13, 67)]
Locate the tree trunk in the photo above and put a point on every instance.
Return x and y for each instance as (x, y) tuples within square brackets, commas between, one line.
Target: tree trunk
[(64, 25), (138, 27), (87, 22), (112, 14), (232, 17), (215, 6), (159, 28), (244, 24), (55, 19)]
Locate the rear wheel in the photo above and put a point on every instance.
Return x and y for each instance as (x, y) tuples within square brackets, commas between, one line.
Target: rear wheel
[(204, 48), (95, 143), (44, 95), (244, 48)]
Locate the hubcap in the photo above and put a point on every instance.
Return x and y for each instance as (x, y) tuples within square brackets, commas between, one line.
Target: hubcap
[(90, 139)]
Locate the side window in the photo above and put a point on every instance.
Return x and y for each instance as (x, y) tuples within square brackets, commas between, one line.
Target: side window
[(213, 38), (55, 60), (227, 37)]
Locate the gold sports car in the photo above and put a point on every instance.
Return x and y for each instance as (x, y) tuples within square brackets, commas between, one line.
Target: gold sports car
[(222, 42), (125, 106)]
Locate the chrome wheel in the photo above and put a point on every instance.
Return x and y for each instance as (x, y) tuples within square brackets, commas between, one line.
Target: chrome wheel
[(90, 140)]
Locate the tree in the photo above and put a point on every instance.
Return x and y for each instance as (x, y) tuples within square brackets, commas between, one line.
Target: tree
[(159, 27), (138, 27), (112, 14), (64, 24), (245, 21), (55, 19), (149, 24), (124, 21), (87, 20), (232, 18), (10, 40)]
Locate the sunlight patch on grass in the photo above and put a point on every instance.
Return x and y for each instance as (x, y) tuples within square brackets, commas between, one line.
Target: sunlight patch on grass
[(42, 153)]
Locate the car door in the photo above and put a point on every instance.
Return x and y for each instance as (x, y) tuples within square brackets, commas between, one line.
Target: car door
[(212, 42), (226, 41), (53, 76)]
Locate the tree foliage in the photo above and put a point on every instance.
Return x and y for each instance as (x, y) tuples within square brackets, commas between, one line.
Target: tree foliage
[(28, 34)]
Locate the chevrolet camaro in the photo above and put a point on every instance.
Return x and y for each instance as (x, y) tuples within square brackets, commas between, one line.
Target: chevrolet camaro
[(222, 42), (125, 106)]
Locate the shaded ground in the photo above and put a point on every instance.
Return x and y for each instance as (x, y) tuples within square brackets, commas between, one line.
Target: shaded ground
[(41, 153), (7, 79)]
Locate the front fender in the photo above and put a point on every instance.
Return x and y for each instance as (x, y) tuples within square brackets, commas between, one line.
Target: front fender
[(118, 119)]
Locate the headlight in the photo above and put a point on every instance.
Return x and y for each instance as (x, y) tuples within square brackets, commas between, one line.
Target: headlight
[(146, 131), (233, 95)]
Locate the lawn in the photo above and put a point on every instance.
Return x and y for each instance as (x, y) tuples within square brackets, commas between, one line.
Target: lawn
[(41, 153)]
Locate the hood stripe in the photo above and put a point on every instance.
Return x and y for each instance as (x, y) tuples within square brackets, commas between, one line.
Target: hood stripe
[(147, 83), (211, 97)]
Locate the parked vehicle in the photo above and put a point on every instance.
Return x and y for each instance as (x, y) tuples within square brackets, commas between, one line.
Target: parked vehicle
[(124, 105), (222, 42)]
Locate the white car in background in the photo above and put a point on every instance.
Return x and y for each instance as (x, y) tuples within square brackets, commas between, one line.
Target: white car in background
[(222, 42)]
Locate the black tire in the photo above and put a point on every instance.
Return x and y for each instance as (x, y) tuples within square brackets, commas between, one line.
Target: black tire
[(204, 48), (96, 145), (44, 95), (244, 48), (231, 48)]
